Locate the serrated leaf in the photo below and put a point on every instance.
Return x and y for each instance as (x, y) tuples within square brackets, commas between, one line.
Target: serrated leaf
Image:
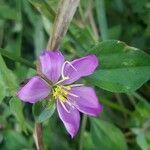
[(43, 111), (107, 136), (122, 68)]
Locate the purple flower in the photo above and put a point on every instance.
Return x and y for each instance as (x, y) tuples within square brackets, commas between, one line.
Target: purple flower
[(59, 76)]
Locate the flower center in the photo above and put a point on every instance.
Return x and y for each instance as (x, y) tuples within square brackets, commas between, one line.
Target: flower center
[(61, 92)]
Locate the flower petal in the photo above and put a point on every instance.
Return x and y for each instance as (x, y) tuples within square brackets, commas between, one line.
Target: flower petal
[(51, 64), (35, 90), (87, 101), (80, 67), (70, 119)]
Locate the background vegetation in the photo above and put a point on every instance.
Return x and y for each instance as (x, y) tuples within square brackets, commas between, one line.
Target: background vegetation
[(125, 122)]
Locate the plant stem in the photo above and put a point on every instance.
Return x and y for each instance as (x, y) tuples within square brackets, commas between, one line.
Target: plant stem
[(38, 136), (101, 16), (16, 58), (83, 126), (131, 98), (115, 106), (64, 16), (139, 97)]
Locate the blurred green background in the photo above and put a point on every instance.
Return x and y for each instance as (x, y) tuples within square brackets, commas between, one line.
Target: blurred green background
[(25, 26)]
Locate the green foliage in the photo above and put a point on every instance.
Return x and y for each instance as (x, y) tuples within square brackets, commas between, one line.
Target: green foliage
[(25, 26), (11, 13), (14, 140), (17, 109), (107, 136), (8, 78), (43, 111), (122, 68)]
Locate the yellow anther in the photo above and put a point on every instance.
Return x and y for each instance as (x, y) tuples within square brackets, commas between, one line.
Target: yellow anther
[(61, 92), (67, 87), (62, 98)]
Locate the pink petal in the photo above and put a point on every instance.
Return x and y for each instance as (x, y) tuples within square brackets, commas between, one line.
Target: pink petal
[(80, 67), (70, 119), (87, 101), (35, 90), (51, 64)]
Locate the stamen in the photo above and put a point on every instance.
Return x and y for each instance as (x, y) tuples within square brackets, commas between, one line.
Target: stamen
[(60, 81), (69, 88), (63, 66), (76, 85), (73, 102), (64, 107), (66, 87), (70, 104), (71, 94)]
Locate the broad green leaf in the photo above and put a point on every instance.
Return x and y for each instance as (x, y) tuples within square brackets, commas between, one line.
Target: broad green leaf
[(43, 111), (8, 77), (106, 136), (17, 109), (122, 68)]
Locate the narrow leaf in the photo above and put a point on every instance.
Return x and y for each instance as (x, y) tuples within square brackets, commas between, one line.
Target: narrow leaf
[(17, 109), (8, 77)]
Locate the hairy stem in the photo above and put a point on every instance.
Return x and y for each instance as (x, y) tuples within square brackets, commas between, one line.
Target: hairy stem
[(63, 18)]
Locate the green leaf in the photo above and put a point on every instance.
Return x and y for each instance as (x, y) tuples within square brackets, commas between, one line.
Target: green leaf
[(44, 7), (122, 68), (7, 12), (15, 141), (106, 136), (43, 110), (17, 109), (141, 141), (8, 78), (143, 136), (143, 109), (88, 143), (39, 38), (2, 91)]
